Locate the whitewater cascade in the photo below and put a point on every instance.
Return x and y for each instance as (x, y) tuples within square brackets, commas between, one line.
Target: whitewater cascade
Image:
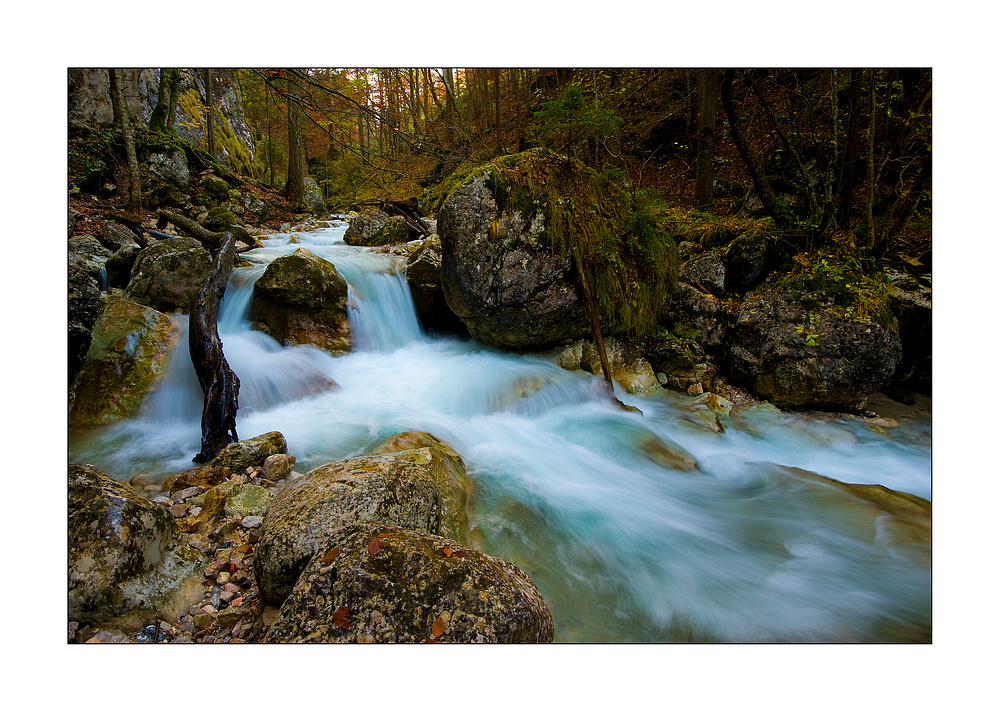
[(567, 485)]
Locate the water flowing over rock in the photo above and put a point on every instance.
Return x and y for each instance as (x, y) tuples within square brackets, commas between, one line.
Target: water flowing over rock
[(89, 254), (125, 553), (796, 356), (305, 513), (423, 274), (168, 274), (301, 299), (504, 283), (371, 582), (129, 352)]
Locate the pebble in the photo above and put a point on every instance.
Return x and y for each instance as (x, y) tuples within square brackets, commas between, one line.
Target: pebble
[(177, 510), (222, 578), (251, 522), (161, 499), (203, 621), (187, 493)]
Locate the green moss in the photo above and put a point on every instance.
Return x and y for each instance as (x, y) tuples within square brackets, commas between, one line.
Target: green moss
[(629, 257)]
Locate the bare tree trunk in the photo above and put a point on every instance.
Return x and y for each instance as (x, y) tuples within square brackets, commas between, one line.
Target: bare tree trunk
[(870, 202), (707, 102), (294, 182), (210, 103), (748, 155), (117, 78), (219, 384)]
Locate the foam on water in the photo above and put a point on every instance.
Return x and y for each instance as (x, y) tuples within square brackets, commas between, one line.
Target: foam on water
[(622, 546)]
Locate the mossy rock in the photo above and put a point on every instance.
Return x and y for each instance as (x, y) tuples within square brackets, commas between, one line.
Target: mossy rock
[(215, 187), (129, 351), (251, 452), (219, 219), (168, 274), (372, 582)]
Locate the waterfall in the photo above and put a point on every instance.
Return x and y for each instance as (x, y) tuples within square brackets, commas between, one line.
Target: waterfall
[(623, 543)]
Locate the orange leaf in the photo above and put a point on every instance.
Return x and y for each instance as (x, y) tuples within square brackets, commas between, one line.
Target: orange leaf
[(437, 628), (340, 617), (447, 551), (331, 555), (374, 546)]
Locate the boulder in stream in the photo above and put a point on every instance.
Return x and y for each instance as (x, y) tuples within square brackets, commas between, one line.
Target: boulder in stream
[(795, 354), (302, 299), (305, 513), (84, 308), (168, 274), (129, 352), (423, 274), (251, 452), (125, 553), (372, 582)]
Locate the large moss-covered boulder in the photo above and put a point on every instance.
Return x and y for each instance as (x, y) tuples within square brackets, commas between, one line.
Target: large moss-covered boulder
[(171, 167), (305, 513), (302, 299), (125, 553), (129, 351), (508, 232), (219, 219), (794, 349), (372, 582), (445, 467), (168, 274)]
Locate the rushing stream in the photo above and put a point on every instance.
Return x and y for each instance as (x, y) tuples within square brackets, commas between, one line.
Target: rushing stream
[(567, 485)]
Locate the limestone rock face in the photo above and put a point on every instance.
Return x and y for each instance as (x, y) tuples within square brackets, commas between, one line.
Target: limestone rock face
[(251, 452), (168, 274), (628, 367), (797, 356), (700, 316), (301, 299), (372, 582), (707, 272), (125, 552), (504, 283), (129, 352), (306, 512), (445, 468)]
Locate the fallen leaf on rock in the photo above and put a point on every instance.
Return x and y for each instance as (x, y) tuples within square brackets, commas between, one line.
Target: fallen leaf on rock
[(331, 555), (461, 554), (340, 617), (374, 546), (437, 628), (447, 551)]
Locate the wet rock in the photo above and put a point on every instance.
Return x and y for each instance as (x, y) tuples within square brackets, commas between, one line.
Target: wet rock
[(423, 274), (278, 466), (117, 236), (313, 198), (699, 315), (119, 265), (125, 553), (304, 514), (301, 299), (128, 353), (364, 226), (628, 367), (910, 301), (201, 477), (252, 452), (88, 254), (410, 587), (168, 274), (84, 309), (794, 354), (445, 467)]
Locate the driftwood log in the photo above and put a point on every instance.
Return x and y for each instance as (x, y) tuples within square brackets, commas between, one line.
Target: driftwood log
[(219, 383)]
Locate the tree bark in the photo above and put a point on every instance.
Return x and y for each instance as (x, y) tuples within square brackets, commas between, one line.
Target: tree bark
[(708, 109), (158, 119), (748, 155), (193, 228), (294, 186), (210, 102), (219, 384), (117, 77)]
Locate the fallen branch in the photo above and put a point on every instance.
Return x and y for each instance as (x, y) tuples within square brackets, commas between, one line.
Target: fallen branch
[(220, 386), (193, 228), (392, 207)]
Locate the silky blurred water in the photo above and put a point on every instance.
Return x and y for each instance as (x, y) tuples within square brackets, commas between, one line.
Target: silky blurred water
[(624, 544)]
